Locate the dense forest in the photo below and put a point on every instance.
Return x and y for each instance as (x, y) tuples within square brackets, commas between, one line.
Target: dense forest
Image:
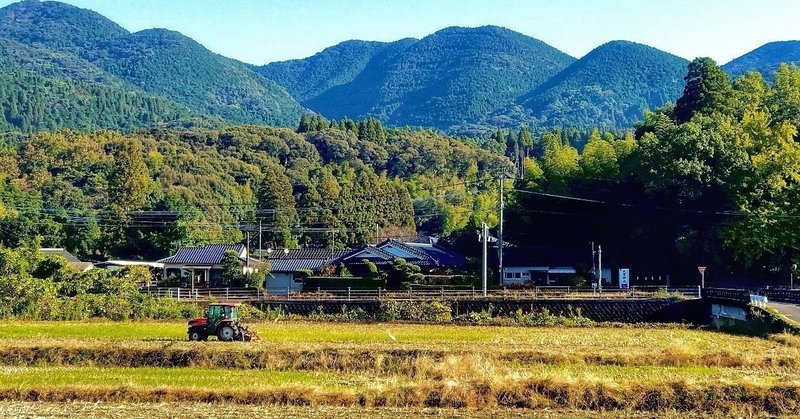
[(712, 180), (460, 81), (60, 41), (327, 183)]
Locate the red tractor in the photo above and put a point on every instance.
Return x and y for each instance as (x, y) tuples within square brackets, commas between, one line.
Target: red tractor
[(221, 320)]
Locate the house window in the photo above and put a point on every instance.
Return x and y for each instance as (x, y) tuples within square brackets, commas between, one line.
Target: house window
[(509, 275), (518, 275)]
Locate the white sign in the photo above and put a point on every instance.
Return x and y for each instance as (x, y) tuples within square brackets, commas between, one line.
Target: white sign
[(625, 278)]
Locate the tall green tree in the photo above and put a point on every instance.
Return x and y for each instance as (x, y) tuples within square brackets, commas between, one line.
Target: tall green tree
[(707, 89), (276, 204)]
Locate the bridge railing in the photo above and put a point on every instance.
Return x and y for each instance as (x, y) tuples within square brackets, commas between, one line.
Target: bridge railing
[(782, 295), (442, 293)]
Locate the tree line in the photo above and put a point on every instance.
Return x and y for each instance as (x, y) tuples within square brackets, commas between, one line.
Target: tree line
[(711, 180)]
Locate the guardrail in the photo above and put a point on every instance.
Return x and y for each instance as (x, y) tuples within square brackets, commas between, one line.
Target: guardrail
[(349, 294), (782, 295), (729, 294)]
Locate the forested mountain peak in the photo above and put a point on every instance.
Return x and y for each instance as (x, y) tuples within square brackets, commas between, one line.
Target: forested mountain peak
[(447, 78), (56, 25), (765, 59), (610, 86), (306, 78), (53, 39)]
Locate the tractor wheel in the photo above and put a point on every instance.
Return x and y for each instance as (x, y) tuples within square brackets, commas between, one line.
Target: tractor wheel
[(225, 333), (194, 335)]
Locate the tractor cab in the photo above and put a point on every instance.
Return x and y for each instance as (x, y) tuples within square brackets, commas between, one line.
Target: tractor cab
[(217, 312), (221, 320)]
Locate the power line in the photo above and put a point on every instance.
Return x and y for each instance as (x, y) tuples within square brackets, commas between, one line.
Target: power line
[(657, 208)]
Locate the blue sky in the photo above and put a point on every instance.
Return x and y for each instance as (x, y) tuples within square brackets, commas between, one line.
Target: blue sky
[(269, 30)]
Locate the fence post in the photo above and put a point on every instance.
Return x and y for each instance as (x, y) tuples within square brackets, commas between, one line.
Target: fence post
[(227, 293), (699, 292), (179, 294), (348, 293), (441, 293), (409, 292), (379, 293), (318, 292), (473, 291), (287, 293)]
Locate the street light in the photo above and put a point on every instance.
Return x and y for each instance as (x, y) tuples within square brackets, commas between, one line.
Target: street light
[(791, 275)]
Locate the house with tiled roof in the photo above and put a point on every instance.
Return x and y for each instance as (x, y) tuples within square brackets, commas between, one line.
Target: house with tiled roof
[(203, 264), (286, 267), (429, 256)]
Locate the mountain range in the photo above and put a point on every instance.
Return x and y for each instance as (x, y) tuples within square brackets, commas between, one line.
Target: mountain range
[(63, 66)]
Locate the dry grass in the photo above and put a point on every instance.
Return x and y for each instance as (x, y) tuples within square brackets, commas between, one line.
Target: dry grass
[(221, 410), (363, 367)]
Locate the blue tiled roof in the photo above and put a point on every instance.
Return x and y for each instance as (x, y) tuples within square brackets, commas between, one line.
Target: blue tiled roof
[(423, 254), (210, 254), (442, 257)]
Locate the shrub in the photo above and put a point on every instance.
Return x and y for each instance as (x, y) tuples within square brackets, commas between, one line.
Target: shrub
[(419, 311)]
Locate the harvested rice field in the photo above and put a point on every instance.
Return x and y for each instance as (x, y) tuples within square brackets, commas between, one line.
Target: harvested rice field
[(315, 369)]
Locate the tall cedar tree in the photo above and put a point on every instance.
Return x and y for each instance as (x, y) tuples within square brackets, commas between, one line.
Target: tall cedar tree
[(276, 199), (707, 88)]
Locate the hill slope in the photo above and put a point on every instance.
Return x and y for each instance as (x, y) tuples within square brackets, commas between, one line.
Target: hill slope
[(765, 59), (307, 78), (610, 86), (447, 78), (175, 66), (153, 61), (31, 102)]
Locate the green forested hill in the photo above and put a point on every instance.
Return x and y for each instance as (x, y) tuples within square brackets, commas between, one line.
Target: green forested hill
[(57, 40), (57, 26), (31, 102), (453, 76), (765, 59), (611, 86), (306, 78), (175, 66), (138, 194)]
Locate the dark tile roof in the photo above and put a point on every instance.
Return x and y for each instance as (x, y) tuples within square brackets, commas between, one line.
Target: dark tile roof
[(210, 254), (443, 257), (422, 254), (308, 253), (312, 259)]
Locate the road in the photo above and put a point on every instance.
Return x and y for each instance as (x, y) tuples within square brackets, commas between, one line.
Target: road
[(792, 311)]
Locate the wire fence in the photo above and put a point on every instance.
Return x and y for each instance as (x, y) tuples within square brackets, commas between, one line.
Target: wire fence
[(377, 294)]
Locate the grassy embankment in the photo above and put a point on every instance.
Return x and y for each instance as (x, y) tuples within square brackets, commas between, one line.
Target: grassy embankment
[(408, 366)]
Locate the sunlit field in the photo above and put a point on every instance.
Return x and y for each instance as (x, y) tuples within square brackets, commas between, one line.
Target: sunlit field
[(354, 369)]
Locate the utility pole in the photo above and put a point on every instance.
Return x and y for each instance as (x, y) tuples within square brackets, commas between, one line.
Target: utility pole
[(260, 249), (594, 264), (247, 256), (377, 233), (600, 267), (484, 237), (500, 237)]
